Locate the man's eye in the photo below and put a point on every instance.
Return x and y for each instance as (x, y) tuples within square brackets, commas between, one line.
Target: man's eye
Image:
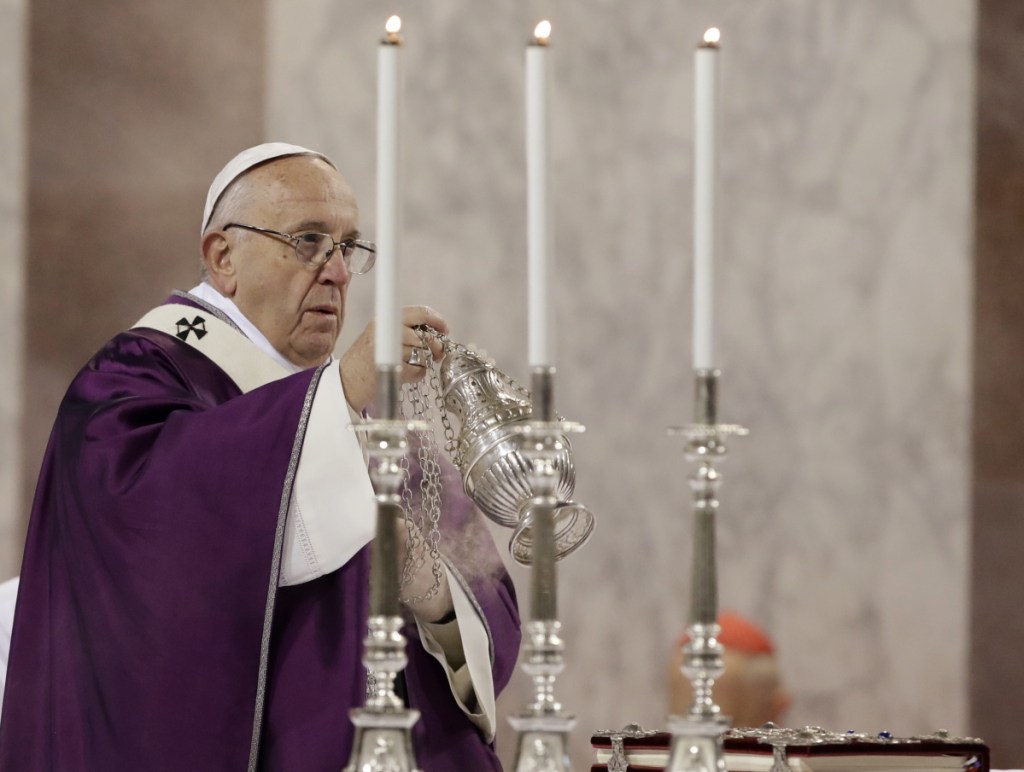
[(311, 238)]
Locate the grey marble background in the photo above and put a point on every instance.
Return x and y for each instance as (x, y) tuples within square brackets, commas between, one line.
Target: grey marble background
[(12, 276), (843, 297)]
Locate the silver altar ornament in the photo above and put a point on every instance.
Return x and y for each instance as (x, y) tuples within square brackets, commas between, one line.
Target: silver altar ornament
[(697, 744), (383, 736), (495, 416)]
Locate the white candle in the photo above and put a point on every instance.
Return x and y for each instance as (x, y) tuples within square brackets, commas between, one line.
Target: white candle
[(538, 239), (387, 342), (704, 172)]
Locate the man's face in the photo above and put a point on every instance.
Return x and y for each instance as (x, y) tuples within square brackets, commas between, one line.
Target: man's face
[(299, 308)]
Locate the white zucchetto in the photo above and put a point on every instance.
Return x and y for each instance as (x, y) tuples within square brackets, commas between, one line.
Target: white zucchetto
[(243, 162)]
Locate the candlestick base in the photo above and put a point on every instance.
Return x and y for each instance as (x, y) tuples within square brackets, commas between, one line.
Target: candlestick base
[(543, 728), (696, 744), (543, 743), (383, 741)]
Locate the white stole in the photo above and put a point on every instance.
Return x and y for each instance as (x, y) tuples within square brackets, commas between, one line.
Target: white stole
[(332, 512)]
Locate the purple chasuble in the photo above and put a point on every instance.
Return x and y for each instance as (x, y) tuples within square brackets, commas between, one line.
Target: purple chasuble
[(150, 633)]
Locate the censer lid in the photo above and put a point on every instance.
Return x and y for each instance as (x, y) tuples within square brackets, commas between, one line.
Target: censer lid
[(458, 365)]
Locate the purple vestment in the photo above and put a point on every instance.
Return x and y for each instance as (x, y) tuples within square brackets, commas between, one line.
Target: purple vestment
[(149, 587)]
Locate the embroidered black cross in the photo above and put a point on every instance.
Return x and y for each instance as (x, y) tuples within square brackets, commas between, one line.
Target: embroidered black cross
[(197, 325)]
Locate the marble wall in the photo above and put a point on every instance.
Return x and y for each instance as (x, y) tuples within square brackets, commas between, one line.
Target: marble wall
[(12, 276), (843, 301)]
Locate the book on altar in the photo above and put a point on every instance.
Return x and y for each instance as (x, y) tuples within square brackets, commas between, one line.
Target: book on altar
[(810, 749)]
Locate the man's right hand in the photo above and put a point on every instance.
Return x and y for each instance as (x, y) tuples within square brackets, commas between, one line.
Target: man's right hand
[(358, 369)]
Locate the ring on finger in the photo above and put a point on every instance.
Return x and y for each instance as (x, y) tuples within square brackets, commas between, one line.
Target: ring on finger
[(419, 357)]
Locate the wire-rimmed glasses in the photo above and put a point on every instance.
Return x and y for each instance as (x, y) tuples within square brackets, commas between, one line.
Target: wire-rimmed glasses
[(315, 249)]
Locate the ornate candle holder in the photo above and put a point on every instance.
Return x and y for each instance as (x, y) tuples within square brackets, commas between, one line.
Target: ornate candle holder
[(543, 727), (383, 739), (697, 735)]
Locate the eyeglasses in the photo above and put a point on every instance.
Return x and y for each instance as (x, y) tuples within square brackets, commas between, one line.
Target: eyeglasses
[(315, 249)]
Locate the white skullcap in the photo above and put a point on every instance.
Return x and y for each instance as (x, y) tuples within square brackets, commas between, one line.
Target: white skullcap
[(243, 162)]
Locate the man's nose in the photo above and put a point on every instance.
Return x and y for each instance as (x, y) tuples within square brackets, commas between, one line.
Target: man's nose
[(335, 271)]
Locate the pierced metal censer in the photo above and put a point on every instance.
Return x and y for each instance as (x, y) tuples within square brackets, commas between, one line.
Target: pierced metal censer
[(697, 735), (494, 413)]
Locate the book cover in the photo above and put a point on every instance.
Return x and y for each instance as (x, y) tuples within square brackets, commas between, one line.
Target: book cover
[(810, 749)]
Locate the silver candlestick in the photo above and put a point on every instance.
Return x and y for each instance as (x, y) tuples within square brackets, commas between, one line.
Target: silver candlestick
[(543, 727), (697, 735), (383, 740)]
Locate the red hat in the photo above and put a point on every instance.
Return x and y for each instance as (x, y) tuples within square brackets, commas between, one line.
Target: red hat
[(740, 634)]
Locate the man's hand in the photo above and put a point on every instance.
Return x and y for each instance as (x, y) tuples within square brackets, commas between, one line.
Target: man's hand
[(358, 370), (421, 582)]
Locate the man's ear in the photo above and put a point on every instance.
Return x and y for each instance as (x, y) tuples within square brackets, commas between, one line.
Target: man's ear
[(218, 256)]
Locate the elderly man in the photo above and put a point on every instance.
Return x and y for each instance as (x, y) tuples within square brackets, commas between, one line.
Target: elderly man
[(194, 589)]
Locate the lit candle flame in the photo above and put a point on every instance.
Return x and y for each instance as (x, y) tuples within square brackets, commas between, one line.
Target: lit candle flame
[(542, 32), (712, 36), (393, 25)]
